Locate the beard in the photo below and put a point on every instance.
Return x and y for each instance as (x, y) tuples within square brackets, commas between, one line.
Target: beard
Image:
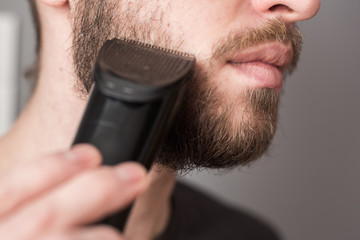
[(215, 128)]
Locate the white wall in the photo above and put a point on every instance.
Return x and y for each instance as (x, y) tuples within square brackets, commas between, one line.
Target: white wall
[(26, 47), (9, 67)]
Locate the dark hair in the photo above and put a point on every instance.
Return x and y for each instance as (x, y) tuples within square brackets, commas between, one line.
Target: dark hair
[(33, 71)]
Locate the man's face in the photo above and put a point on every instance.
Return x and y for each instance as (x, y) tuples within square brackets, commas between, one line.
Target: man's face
[(229, 113)]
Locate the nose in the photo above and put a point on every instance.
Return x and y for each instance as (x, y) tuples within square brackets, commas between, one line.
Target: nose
[(288, 10)]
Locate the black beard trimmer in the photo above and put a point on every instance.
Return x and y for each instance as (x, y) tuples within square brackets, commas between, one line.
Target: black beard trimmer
[(132, 105)]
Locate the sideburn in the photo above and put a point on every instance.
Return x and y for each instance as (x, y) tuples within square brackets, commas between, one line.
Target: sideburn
[(92, 26)]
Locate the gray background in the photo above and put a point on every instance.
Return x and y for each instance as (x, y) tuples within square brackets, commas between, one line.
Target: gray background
[(307, 184)]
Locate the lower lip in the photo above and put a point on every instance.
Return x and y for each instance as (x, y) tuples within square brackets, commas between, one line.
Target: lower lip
[(263, 75)]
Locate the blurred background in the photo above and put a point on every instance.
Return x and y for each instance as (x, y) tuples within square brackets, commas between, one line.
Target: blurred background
[(307, 185)]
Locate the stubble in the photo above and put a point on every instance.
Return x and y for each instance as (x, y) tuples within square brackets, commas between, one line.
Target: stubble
[(212, 130)]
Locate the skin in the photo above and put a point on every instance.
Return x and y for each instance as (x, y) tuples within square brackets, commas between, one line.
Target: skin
[(48, 198)]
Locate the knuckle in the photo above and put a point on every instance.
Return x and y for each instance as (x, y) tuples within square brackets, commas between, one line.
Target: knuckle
[(87, 233), (44, 214), (104, 184), (46, 218), (8, 199), (37, 222), (56, 168), (52, 166), (45, 160), (108, 233), (73, 234), (55, 237)]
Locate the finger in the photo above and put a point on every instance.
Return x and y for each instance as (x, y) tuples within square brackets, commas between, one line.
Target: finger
[(23, 183), (86, 199), (88, 233), (98, 194), (96, 233)]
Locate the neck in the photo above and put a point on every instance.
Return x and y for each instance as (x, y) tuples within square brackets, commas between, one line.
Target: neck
[(49, 121), (48, 124)]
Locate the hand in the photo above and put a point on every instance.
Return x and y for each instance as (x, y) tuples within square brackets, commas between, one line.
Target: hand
[(54, 198)]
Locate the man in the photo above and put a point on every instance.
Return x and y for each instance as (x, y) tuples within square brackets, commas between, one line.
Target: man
[(243, 49)]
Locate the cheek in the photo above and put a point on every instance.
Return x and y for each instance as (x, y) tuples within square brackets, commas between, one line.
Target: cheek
[(200, 23)]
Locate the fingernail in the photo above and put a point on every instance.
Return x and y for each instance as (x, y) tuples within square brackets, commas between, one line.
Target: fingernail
[(83, 154), (130, 172)]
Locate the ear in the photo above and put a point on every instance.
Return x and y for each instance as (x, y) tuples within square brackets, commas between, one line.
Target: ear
[(55, 3)]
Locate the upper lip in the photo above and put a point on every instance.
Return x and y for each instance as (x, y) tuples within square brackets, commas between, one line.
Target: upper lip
[(276, 54)]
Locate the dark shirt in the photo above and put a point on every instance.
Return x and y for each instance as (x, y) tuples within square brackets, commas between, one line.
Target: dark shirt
[(196, 216)]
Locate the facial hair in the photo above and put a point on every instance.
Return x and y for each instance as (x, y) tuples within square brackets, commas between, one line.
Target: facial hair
[(213, 129)]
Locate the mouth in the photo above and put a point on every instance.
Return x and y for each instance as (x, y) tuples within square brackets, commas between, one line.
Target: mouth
[(264, 65)]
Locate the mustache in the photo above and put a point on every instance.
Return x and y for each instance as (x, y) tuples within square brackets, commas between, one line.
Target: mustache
[(272, 30)]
